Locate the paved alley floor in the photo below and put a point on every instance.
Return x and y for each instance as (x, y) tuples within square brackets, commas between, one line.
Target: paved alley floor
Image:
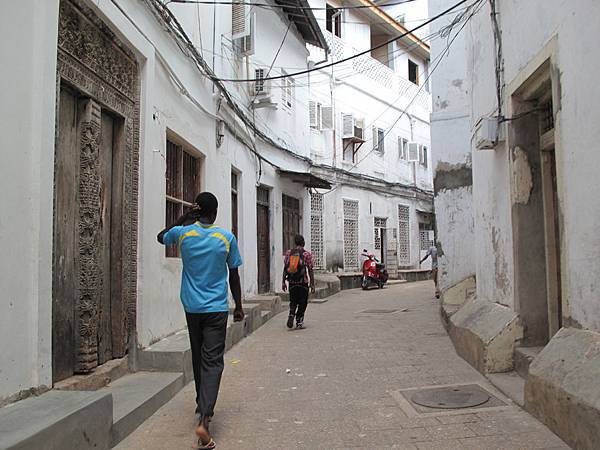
[(344, 385)]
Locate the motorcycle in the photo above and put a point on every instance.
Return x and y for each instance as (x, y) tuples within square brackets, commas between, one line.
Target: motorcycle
[(373, 272)]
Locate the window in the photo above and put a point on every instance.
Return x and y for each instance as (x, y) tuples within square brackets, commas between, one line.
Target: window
[(424, 156), (334, 20), (350, 210), (402, 148), (234, 203), (413, 72), (315, 113), (183, 184), (404, 234), (287, 90), (259, 84), (291, 221), (316, 229), (379, 140)]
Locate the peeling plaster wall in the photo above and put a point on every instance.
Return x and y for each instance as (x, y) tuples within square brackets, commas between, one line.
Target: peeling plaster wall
[(526, 28), (451, 153)]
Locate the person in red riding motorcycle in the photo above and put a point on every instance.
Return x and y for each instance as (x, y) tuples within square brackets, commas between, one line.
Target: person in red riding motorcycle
[(298, 272)]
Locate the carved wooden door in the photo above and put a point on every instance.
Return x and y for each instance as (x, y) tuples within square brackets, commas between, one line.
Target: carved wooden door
[(263, 240), (89, 322)]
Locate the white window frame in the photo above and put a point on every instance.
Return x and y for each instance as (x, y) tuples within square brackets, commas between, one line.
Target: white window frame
[(287, 91), (378, 144)]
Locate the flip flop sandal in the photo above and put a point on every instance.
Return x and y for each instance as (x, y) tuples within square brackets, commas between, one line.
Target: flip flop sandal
[(211, 445)]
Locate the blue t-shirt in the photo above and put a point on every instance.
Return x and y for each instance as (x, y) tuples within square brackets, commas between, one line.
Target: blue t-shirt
[(207, 252)]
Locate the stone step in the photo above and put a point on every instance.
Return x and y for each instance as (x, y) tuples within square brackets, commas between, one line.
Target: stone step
[(523, 357), (139, 395), (265, 302), (173, 353), (58, 420), (510, 384), (266, 315)]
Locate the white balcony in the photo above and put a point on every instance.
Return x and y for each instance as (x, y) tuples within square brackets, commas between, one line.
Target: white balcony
[(378, 72)]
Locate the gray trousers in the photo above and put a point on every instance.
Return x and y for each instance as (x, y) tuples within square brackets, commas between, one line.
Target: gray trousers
[(207, 339)]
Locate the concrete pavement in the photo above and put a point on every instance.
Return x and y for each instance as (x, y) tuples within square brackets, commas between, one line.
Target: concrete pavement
[(344, 387)]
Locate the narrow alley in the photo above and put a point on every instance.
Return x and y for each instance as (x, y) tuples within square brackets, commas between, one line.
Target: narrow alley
[(348, 370)]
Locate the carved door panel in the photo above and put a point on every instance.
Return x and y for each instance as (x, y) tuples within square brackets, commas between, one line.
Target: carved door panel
[(64, 281), (89, 322)]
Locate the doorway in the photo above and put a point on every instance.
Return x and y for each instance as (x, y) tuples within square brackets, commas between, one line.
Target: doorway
[(263, 240), (380, 238), (535, 209), (88, 315), (94, 272)]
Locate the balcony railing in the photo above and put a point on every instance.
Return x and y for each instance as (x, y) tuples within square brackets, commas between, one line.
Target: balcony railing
[(378, 72)]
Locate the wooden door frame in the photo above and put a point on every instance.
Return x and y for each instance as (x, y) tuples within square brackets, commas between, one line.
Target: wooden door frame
[(94, 62), (267, 205)]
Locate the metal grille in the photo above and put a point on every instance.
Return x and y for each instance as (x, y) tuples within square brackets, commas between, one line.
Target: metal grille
[(547, 117), (378, 223), (350, 234), (426, 237), (316, 229), (404, 234)]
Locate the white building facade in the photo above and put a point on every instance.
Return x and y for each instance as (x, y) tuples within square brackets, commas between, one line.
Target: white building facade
[(370, 138), (514, 156), (117, 128)]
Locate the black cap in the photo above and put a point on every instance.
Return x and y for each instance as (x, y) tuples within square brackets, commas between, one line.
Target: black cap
[(207, 203)]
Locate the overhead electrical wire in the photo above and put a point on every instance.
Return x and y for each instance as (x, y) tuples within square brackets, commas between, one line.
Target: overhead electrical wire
[(475, 8), (285, 6), (349, 58), (173, 27)]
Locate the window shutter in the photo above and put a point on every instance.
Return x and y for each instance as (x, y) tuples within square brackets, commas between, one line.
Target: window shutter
[(413, 152), (312, 111), (375, 139), (327, 117), (240, 26), (347, 125), (400, 148), (319, 117)]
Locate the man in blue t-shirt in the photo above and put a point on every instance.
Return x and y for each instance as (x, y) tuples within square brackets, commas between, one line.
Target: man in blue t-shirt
[(210, 257)]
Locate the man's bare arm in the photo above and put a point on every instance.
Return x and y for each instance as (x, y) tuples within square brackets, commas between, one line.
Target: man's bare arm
[(311, 275), (186, 219), (236, 290)]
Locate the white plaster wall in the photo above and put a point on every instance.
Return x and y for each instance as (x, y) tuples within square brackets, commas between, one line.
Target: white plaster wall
[(28, 134), (371, 204), (379, 107), (168, 112), (27, 109), (526, 28), (451, 151)]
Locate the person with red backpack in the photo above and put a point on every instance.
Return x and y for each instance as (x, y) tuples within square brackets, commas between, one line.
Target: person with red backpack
[(298, 273)]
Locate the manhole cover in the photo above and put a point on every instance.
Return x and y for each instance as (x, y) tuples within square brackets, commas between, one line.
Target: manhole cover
[(455, 397), (379, 311)]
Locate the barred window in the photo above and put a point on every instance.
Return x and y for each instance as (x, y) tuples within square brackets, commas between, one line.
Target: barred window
[(183, 184)]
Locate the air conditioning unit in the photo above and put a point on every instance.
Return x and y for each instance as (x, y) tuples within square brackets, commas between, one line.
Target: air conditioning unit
[(414, 153), (487, 133), (352, 128), (262, 87)]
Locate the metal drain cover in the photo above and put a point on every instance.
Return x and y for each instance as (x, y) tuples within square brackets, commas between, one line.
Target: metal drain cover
[(454, 397), (379, 311)]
